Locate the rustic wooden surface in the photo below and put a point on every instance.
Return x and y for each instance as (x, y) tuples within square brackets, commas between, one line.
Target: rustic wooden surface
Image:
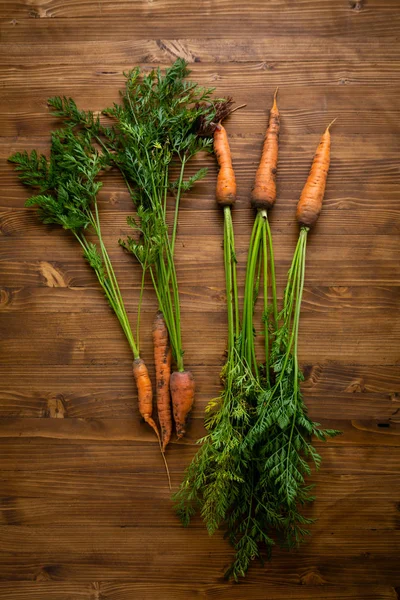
[(84, 508)]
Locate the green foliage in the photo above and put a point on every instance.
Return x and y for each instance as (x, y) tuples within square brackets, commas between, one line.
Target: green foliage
[(67, 109), (68, 188), (156, 128), (67, 180), (249, 475)]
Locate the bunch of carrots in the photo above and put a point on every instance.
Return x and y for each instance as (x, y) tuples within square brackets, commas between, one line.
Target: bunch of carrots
[(249, 474), (156, 129)]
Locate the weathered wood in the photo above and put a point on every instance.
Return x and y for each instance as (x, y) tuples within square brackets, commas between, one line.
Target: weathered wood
[(85, 510)]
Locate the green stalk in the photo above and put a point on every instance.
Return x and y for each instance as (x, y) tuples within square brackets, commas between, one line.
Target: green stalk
[(303, 234), (272, 269), (248, 347), (177, 200), (139, 310), (228, 279), (122, 315), (266, 323)]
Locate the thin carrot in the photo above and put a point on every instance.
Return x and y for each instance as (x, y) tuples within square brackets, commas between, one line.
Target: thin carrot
[(162, 361), (264, 192), (310, 203), (145, 402), (182, 392), (145, 393), (226, 181)]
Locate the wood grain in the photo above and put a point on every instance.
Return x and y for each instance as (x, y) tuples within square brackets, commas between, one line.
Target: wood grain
[(113, 590), (85, 511)]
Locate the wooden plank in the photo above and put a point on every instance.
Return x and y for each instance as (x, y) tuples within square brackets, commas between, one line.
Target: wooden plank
[(306, 108), (341, 215), (69, 485), (332, 391), (332, 261), (47, 590), (166, 18), (83, 499), (89, 554), (243, 77), (366, 433), (114, 590), (89, 299), (270, 52), (78, 339), (141, 457)]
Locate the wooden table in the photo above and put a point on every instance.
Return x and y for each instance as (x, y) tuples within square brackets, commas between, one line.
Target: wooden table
[(85, 510)]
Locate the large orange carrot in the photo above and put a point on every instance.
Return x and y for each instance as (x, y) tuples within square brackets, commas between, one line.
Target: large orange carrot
[(182, 392), (162, 361), (310, 203), (226, 182), (145, 393), (264, 192)]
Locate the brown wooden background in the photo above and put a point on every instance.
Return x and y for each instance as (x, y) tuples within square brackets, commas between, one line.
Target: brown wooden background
[(84, 507)]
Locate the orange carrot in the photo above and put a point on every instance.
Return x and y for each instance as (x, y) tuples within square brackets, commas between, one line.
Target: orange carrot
[(182, 392), (162, 361), (226, 182), (310, 203), (145, 401), (145, 393), (264, 191)]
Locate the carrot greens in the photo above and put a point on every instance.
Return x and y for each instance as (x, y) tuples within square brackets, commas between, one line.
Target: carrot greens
[(154, 136), (68, 187)]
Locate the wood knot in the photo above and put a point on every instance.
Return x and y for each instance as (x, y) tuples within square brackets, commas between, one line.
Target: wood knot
[(312, 374), (56, 408), (46, 573), (356, 5), (357, 385), (52, 276), (312, 578), (5, 297)]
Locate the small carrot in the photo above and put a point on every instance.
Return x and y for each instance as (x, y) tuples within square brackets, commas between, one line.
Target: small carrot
[(263, 195), (182, 392), (145, 393), (310, 203), (162, 360), (226, 182), (145, 401)]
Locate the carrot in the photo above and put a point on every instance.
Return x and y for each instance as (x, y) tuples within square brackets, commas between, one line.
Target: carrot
[(162, 360), (310, 203), (145, 401), (145, 393), (182, 392), (226, 182), (263, 195)]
